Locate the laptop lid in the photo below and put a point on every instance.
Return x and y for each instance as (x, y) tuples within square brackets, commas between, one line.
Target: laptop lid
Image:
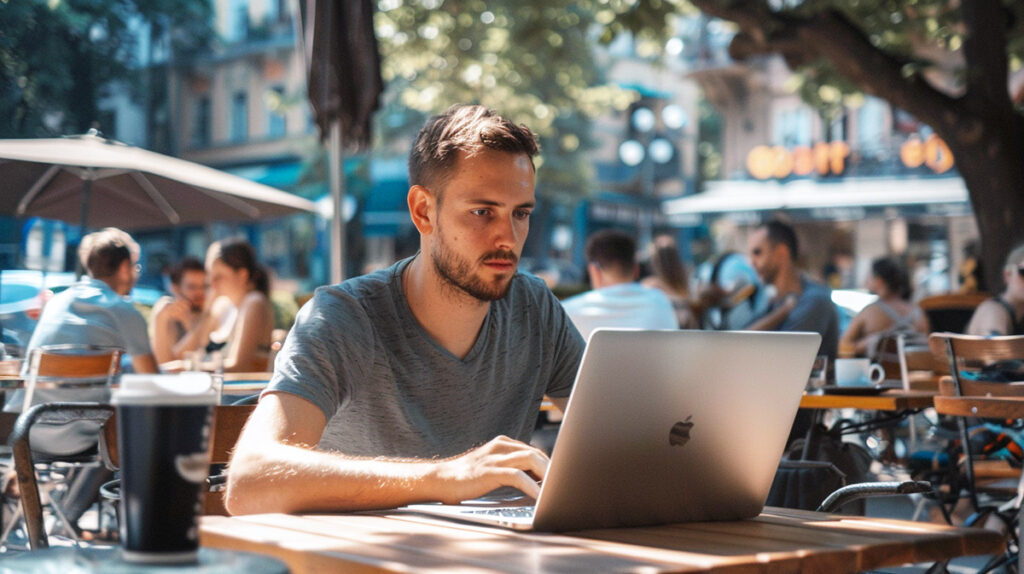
[(674, 426)]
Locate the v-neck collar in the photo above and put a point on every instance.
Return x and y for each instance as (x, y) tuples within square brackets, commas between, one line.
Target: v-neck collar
[(402, 304)]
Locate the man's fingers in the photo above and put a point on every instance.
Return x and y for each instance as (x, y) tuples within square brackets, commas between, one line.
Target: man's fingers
[(530, 461), (523, 482)]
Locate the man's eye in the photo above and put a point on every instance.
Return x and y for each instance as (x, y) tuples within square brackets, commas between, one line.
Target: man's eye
[(522, 214), (480, 212)]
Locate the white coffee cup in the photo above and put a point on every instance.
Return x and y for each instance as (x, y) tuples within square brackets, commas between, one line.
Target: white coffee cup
[(858, 373)]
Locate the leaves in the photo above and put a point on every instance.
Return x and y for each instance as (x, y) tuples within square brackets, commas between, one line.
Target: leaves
[(57, 55)]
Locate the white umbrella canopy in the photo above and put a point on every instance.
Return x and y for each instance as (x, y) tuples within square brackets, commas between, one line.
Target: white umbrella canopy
[(98, 182)]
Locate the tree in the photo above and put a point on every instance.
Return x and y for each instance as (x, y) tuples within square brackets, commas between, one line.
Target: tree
[(531, 59), (58, 56), (947, 63)]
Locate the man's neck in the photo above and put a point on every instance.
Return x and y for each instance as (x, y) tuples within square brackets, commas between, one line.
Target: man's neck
[(450, 316), (788, 282)]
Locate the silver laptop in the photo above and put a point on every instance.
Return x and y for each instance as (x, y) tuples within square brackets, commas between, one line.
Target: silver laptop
[(663, 427)]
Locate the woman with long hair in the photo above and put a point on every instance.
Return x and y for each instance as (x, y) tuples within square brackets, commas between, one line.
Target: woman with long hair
[(893, 313), (236, 276), (670, 277)]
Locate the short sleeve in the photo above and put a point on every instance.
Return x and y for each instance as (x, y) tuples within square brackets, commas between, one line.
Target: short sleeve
[(328, 350), (568, 345), (134, 331), (813, 313)]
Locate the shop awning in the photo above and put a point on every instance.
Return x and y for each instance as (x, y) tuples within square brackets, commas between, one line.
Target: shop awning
[(736, 196)]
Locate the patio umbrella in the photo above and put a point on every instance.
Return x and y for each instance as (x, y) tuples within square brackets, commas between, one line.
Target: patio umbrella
[(98, 182), (344, 84)]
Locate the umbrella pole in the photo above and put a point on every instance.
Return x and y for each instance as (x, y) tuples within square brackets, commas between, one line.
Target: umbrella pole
[(336, 176), (86, 189)]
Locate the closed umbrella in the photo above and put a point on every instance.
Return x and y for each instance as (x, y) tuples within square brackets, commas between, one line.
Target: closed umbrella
[(344, 89), (99, 182)]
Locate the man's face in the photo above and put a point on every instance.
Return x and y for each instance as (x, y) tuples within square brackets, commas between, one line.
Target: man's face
[(1014, 283), (192, 288), (764, 255), (483, 217)]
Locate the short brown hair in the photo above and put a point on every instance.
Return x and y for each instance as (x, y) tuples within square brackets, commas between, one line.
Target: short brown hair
[(102, 252), (467, 128), (612, 250)]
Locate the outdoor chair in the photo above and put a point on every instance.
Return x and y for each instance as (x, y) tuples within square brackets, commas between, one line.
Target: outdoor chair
[(951, 312), (228, 421), (38, 481), (966, 396), (47, 478)]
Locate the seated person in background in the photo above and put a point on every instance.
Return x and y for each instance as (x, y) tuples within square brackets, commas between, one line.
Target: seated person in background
[(671, 278), (1003, 314), (235, 275), (405, 385), (617, 300), (93, 311), (799, 304), (175, 316), (891, 314)]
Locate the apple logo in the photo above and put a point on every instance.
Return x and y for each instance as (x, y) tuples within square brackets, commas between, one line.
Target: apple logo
[(680, 433)]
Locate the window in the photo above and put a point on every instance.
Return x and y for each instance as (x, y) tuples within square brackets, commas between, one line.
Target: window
[(239, 117), (201, 123), (277, 125)]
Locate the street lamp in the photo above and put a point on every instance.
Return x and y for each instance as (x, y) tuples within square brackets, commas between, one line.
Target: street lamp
[(648, 148)]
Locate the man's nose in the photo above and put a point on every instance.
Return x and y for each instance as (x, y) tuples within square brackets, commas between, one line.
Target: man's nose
[(506, 234)]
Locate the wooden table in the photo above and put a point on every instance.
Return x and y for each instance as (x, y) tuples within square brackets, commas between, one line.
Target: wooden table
[(778, 540), (894, 400)]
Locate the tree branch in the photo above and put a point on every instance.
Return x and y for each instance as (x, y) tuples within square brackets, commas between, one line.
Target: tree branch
[(877, 72), (830, 35), (985, 40)]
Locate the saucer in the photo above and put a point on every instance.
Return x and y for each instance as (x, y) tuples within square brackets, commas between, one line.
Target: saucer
[(851, 390)]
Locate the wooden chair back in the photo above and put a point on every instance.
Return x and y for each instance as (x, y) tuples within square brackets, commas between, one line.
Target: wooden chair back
[(951, 312), (963, 397), (888, 355), (964, 353), (73, 364), (228, 421)]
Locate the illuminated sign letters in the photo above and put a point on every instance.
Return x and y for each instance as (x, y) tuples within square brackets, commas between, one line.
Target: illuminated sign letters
[(767, 162)]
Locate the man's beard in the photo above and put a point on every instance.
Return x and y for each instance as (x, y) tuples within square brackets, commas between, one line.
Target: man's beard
[(457, 273)]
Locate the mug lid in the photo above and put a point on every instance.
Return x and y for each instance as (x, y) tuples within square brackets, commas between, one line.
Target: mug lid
[(172, 390)]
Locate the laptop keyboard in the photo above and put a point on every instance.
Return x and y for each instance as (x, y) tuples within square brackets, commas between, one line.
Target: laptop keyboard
[(506, 512)]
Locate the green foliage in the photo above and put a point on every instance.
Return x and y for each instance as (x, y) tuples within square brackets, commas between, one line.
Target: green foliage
[(56, 56), (530, 59)]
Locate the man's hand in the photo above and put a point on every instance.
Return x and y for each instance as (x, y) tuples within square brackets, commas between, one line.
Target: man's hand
[(501, 462), (181, 311)]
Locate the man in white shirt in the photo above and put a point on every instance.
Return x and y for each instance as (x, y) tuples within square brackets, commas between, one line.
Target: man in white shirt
[(617, 300)]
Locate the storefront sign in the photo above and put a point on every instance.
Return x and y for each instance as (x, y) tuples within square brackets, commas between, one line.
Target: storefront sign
[(764, 162), (767, 162), (932, 152)]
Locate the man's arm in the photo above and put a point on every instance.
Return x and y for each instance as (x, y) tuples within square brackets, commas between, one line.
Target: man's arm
[(163, 333), (275, 468), (145, 363), (770, 321)]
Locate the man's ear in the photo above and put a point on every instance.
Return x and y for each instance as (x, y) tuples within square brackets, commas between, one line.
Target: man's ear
[(422, 208)]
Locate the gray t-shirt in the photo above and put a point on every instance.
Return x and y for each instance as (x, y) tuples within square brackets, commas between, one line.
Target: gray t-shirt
[(388, 389)]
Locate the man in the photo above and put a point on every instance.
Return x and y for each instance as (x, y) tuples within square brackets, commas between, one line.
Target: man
[(420, 382), (1004, 314), (93, 311), (617, 300), (799, 303), (176, 316)]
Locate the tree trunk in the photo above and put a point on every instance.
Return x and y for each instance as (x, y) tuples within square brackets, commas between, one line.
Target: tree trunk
[(993, 172)]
